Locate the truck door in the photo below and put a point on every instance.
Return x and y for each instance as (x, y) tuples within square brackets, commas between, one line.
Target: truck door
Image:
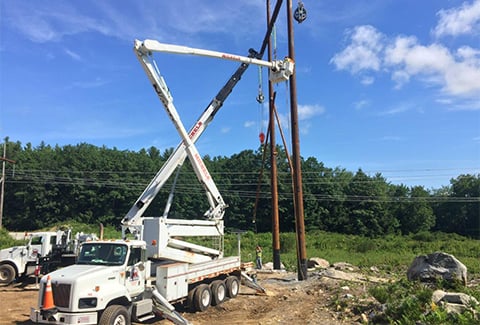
[(135, 273), (35, 247)]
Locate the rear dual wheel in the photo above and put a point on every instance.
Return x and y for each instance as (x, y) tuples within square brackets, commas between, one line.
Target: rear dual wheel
[(233, 286), (219, 292), (202, 297)]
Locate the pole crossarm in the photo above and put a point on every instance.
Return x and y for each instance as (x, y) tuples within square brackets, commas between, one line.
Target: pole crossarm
[(8, 160)]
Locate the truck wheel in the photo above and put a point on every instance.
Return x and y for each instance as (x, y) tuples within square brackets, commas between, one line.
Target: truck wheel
[(7, 274), (233, 286), (202, 297), (115, 315), (190, 300), (219, 292)]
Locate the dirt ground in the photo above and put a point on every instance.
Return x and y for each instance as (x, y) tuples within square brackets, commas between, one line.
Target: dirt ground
[(317, 300)]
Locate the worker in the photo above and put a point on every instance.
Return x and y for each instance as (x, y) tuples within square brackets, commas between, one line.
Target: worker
[(258, 254)]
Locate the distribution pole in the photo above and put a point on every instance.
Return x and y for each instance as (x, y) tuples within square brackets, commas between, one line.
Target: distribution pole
[(2, 180), (297, 169), (2, 189), (273, 161)]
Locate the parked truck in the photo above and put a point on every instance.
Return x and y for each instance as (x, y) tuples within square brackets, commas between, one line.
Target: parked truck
[(44, 252), (156, 266)]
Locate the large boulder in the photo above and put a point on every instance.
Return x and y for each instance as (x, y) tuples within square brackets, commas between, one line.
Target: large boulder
[(427, 268)]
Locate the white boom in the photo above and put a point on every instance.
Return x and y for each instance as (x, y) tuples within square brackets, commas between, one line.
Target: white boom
[(281, 69), (143, 50)]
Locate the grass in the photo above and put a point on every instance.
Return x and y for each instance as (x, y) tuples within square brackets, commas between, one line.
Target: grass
[(391, 253)]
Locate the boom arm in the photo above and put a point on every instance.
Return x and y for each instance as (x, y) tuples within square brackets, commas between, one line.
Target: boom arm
[(217, 205), (133, 217), (282, 71)]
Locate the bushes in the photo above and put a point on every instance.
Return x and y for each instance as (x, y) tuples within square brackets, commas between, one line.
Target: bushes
[(7, 241), (411, 303)]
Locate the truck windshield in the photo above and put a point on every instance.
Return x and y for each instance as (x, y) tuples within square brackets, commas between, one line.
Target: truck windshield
[(102, 253)]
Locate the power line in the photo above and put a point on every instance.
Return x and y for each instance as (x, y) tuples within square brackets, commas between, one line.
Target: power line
[(188, 189)]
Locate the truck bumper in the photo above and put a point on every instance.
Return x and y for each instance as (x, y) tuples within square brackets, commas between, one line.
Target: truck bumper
[(63, 318)]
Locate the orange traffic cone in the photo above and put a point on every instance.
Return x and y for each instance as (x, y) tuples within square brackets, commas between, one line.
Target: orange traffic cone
[(48, 296)]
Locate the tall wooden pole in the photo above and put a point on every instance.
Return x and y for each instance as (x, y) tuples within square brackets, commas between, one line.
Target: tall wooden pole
[(297, 169), (2, 189), (2, 180), (273, 161)]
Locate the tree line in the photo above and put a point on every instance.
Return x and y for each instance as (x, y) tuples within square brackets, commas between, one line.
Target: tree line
[(53, 184)]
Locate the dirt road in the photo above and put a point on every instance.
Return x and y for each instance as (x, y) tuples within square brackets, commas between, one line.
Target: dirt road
[(288, 301)]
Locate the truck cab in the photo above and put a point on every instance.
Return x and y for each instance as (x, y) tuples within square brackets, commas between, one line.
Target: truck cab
[(104, 284), (20, 261)]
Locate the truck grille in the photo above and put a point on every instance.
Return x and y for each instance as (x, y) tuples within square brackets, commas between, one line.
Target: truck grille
[(61, 294)]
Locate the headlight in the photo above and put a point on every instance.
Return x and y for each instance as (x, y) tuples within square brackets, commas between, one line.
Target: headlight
[(87, 303)]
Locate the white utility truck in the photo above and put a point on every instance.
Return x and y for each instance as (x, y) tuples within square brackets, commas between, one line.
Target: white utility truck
[(44, 252), (116, 282)]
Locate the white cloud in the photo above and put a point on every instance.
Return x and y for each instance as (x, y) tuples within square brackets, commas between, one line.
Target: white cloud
[(367, 80), (391, 138), (458, 21), (249, 124), (361, 104), (306, 112), (456, 72), (73, 55), (97, 82), (400, 108), (363, 51), (51, 22), (45, 24)]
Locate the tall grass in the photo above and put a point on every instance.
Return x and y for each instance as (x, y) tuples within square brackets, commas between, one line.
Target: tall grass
[(390, 253)]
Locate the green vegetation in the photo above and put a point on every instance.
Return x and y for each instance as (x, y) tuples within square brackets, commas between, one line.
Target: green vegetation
[(390, 254), (89, 184), (8, 241), (411, 303)]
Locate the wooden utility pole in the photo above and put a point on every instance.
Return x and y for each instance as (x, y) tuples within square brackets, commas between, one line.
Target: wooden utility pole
[(273, 161), (2, 180), (297, 169)]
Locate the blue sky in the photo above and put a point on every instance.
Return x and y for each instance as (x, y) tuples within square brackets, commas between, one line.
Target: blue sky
[(387, 86)]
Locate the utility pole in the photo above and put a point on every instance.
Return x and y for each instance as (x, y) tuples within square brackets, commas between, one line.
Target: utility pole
[(273, 161), (297, 169), (2, 180)]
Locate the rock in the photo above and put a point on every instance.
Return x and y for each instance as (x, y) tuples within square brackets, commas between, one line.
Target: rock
[(454, 302), (344, 266), (269, 266), (317, 263), (453, 298), (430, 267), (438, 295), (364, 318), (454, 308), (374, 269)]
